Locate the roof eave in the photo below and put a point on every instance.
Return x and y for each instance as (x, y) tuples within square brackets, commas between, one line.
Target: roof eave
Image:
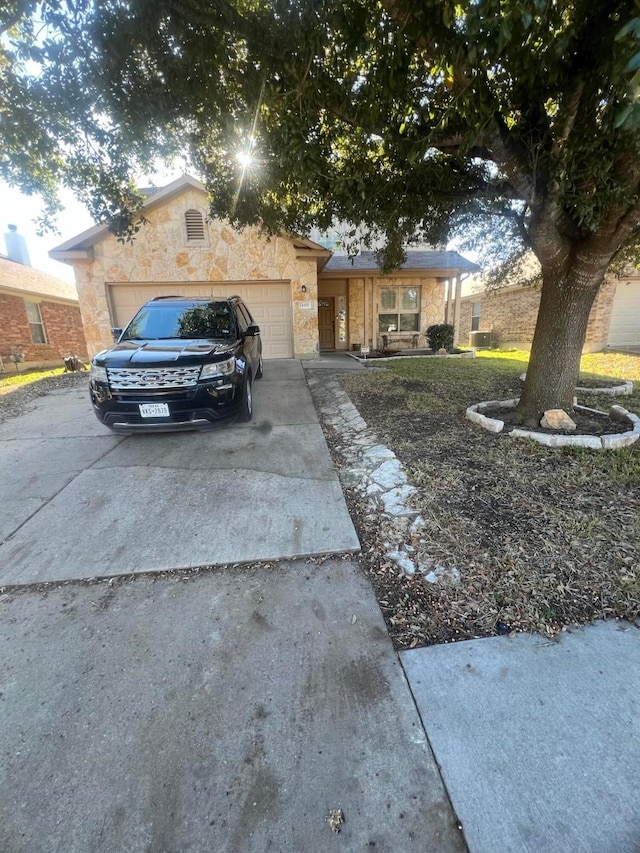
[(65, 251), (421, 272), (71, 255)]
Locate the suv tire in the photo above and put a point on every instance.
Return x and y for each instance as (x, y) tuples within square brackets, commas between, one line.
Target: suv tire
[(246, 406), (259, 370)]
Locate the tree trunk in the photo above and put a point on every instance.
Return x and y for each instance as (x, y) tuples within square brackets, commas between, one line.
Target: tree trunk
[(561, 327)]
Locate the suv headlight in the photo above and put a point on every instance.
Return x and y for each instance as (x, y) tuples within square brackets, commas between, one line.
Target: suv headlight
[(218, 368), (98, 374)]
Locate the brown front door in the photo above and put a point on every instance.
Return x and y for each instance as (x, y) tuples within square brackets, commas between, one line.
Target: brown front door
[(326, 323)]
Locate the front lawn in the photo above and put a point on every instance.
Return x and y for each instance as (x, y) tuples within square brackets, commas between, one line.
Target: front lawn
[(542, 538)]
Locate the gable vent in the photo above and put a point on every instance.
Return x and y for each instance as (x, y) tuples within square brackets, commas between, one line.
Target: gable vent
[(195, 225)]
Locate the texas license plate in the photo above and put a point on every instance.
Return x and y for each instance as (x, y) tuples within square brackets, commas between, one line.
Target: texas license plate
[(154, 410)]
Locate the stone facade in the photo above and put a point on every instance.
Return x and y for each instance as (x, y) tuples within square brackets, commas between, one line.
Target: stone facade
[(58, 309), (510, 315), (364, 297), (161, 253), (171, 251)]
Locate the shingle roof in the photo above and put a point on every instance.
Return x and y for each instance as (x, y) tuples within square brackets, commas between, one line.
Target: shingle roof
[(22, 279), (416, 260)]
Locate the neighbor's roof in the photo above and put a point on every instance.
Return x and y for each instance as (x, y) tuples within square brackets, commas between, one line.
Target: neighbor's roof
[(444, 263), (22, 280), (80, 247)]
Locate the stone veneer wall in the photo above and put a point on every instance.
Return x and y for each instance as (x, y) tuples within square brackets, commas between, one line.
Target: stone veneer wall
[(511, 315), (431, 307), (160, 252), (356, 311)]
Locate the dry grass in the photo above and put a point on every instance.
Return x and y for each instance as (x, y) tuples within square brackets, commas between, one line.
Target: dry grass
[(542, 538), (10, 380)]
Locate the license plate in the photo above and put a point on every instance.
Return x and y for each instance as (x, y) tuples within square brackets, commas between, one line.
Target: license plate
[(154, 410)]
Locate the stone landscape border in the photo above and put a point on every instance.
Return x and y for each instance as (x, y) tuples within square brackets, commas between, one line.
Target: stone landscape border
[(415, 354), (622, 390), (378, 477), (604, 442)]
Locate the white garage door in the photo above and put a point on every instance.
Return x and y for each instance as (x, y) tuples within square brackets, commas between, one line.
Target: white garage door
[(624, 329), (269, 303)]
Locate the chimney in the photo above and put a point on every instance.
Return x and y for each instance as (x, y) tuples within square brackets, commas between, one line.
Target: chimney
[(16, 246)]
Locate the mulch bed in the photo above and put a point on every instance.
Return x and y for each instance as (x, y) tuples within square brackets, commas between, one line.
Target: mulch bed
[(590, 423)]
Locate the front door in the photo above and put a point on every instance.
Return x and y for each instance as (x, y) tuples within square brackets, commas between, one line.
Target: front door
[(326, 323)]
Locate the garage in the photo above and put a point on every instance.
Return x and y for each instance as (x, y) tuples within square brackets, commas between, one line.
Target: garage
[(268, 301), (624, 328)]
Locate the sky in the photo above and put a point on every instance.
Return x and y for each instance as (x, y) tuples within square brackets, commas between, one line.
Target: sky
[(20, 210)]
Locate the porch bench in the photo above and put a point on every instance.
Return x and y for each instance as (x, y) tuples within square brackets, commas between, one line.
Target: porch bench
[(411, 338)]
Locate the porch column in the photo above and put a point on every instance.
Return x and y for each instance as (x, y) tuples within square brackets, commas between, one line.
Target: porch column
[(448, 304), (456, 321)]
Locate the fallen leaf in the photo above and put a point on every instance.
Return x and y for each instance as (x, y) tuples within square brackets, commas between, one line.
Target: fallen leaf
[(335, 819)]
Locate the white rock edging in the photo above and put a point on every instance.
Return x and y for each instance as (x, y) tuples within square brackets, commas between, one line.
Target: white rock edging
[(380, 479), (622, 390), (603, 442)]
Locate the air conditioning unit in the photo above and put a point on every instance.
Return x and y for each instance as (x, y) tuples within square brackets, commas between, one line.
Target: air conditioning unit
[(480, 340)]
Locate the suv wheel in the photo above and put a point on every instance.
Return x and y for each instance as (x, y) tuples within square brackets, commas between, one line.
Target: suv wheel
[(246, 406), (260, 366)]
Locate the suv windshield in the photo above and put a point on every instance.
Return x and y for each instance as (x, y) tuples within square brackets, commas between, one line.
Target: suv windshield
[(164, 322)]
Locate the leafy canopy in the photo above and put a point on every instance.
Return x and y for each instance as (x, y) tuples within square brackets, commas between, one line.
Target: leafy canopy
[(515, 118)]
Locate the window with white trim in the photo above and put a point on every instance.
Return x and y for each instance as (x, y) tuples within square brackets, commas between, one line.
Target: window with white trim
[(36, 325), (475, 316), (194, 223), (399, 309)]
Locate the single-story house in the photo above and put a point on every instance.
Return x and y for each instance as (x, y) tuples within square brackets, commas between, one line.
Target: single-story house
[(39, 317), (305, 299), (508, 316)]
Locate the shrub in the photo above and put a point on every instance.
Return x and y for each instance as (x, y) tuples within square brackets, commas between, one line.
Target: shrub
[(440, 336)]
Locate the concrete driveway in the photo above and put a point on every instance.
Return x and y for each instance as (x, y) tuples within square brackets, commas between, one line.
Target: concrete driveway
[(230, 709), (83, 502)]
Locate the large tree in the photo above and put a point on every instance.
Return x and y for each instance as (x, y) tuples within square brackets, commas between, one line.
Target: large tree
[(412, 119)]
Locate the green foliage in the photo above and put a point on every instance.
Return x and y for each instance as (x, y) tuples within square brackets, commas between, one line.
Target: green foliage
[(410, 120), (440, 336)]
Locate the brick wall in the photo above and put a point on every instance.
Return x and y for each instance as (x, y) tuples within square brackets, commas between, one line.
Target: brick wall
[(62, 325), (511, 315)]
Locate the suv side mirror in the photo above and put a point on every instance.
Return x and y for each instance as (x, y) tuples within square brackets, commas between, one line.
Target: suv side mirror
[(252, 331), (115, 334)]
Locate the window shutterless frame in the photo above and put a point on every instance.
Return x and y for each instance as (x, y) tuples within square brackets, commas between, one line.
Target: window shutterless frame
[(399, 309), (36, 325)]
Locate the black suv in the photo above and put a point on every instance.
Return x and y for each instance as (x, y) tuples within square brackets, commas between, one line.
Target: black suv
[(179, 364)]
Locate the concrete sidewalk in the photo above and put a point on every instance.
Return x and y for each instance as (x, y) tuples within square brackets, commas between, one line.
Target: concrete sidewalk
[(84, 502), (538, 740)]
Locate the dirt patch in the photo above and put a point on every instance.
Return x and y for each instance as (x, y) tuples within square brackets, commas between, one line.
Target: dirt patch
[(15, 402)]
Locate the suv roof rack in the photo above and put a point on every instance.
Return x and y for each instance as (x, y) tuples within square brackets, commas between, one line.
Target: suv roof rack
[(194, 298)]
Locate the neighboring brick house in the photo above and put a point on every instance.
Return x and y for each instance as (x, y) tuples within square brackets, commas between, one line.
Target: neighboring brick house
[(304, 300), (39, 315), (510, 316)]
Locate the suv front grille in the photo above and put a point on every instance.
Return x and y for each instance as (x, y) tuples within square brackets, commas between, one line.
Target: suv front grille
[(125, 379)]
